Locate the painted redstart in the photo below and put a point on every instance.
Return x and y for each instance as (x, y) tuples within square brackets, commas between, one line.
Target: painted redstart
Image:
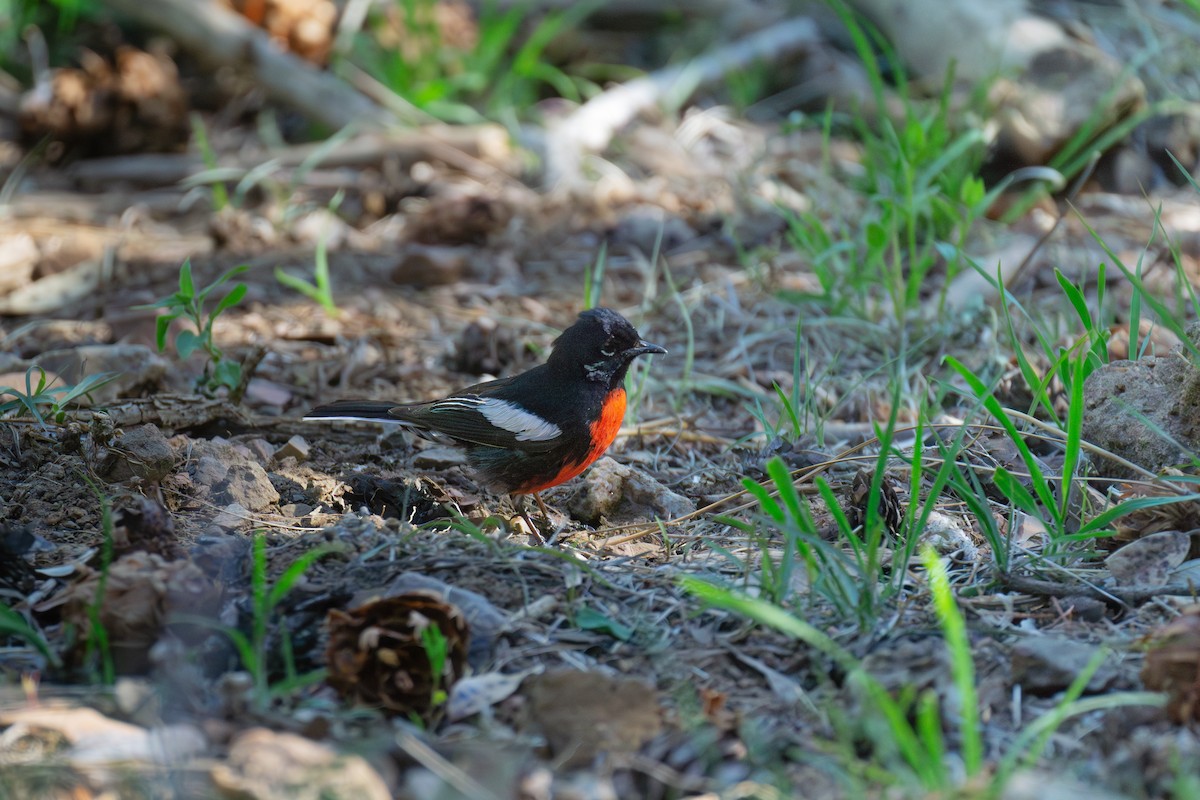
[(535, 430)]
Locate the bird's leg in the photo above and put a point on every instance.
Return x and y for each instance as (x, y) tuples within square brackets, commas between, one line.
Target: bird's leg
[(542, 507), (519, 499), (554, 532)]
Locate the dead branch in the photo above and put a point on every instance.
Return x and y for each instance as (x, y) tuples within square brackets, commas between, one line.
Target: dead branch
[(1129, 597), (591, 127), (464, 146)]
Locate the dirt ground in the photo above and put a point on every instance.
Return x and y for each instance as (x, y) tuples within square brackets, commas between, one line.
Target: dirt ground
[(578, 667)]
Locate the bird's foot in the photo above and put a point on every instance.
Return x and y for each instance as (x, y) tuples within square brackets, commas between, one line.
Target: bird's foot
[(523, 523)]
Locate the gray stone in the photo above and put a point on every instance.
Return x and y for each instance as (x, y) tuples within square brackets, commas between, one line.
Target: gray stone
[(209, 471), (231, 516), (296, 510), (262, 449), (232, 475), (617, 490), (141, 452), (1046, 665), (645, 226), (296, 447), (1149, 560), (1146, 411), (249, 486)]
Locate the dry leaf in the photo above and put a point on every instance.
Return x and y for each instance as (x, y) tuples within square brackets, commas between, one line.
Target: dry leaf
[(264, 765), (1148, 561), (478, 692)]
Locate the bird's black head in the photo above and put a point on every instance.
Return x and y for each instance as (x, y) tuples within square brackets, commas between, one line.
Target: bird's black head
[(601, 344)]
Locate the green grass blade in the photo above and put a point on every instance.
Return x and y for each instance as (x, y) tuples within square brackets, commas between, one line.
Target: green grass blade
[(962, 666)]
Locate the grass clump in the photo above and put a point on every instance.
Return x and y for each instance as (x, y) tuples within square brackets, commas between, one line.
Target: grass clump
[(43, 401), (900, 741)]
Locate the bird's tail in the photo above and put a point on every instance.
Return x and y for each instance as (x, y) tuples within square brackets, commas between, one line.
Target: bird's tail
[(354, 409)]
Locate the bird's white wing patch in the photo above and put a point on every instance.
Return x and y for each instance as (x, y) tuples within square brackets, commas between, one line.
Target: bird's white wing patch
[(525, 425)]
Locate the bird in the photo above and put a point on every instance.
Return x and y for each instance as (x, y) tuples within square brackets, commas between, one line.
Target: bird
[(526, 433)]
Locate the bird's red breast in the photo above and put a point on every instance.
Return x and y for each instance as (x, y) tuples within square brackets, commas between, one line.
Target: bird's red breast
[(602, 432)]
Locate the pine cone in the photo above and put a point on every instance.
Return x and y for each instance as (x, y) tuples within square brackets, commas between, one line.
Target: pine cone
[(380, 653)]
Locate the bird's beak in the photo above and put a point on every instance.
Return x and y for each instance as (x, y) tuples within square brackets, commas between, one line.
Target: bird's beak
[(644, 347)]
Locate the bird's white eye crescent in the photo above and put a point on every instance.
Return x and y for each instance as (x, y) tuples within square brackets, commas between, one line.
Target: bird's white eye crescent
[(607, 352)]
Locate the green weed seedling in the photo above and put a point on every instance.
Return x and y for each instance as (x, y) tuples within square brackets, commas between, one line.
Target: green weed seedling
[(1187, 303), (265, 598), (920, 175), (847, 573), (830, 572), (320, 290), (188, 303), (593, 279), (213, 175), (1046, 498), (437, 650), (41, 400)]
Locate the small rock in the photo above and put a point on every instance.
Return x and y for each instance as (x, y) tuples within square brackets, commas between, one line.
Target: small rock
[(484, 348), (1144, 410), (436, 458), (209, 471), (581, 714), (141, 452), (1045, 665), (267, 393), (423, 265), (296, 510), (645, 226), (232, 475), (1042, 785), (1064, 88), (611, 489), (263, 450), (1084, 609), (320, 227), (262, 764), (249, 485), (231, 516), (220, 555), (946, 535), (18, 256), (296, 447)]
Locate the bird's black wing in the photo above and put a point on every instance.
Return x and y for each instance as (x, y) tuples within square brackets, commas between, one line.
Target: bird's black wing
[(485, 415)]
